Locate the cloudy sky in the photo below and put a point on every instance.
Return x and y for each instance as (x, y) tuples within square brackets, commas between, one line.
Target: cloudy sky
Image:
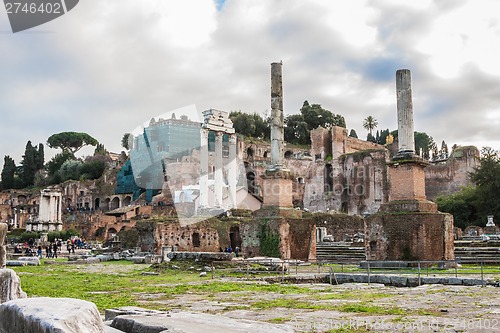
[(107, 66)]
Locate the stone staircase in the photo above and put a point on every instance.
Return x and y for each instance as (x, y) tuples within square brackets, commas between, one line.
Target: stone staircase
[(477, 250), (340, 251), (355, 252)]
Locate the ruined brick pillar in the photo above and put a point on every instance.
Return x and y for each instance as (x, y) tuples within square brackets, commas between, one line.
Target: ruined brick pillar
[(408, 227), (277, 180)]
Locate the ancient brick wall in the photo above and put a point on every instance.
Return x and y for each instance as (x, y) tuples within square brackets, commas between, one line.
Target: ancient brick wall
[(409, 236), (449, 176), (340, 226), (407, 182)]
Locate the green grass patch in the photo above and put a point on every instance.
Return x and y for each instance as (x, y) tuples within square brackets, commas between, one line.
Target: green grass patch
[(279, 320)]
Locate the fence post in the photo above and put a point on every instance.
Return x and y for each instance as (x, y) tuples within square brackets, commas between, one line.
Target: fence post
[(456, 269), (212, 270), (296, 267), (319, 266), (331, 273), (248, 270), (419, 282), (482, 274), (368, 268), (283, 271)]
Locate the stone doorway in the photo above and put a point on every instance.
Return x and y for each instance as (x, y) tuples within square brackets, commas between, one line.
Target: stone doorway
[(235, 238)]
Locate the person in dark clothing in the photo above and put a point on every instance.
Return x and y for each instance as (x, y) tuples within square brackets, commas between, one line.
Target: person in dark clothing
[(54, 250)]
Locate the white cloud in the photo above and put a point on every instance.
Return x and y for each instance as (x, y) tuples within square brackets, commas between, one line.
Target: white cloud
[(105, 67)]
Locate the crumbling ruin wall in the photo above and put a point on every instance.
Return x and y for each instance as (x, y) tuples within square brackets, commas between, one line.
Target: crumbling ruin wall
[(340, 226), (449, 176), (355, 183), (191, 238), (409, 236)]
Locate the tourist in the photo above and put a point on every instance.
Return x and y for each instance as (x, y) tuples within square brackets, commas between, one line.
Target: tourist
[(54, 250), (39, 252), (68, 246)]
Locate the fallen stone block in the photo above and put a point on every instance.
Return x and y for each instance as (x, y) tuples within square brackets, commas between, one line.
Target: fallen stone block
[(139, 260), (455, 281), (10, 286), (473, 282), (109, 329), (30, 260), (399, 281), (16, 263), (103, 257), (359, 278), (342, 278), (110, 314), (183, 322), (432, 280), (50, 315), (382, 279), (92, 260)]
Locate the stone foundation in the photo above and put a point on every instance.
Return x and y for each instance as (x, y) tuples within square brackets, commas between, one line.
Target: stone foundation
[(409, 206), (277, 189), (409, 236)]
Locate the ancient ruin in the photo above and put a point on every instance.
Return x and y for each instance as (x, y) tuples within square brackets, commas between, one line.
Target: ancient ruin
[(3, 250), (408, 227), (49, 217), (277, 182)]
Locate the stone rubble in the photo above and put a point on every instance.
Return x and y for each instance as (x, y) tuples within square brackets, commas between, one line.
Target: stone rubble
[(50, 315), (10, 286)]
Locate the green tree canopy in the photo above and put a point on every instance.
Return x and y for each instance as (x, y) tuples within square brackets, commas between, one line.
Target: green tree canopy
[(296, 130), (370, 124), (315, 116), (251, 125), (71, 141), (461, 206), (472, 205), (30, 165), (353, 134), (8, 173), (126, 137), (312, 116), (486, 177), (424, 143)]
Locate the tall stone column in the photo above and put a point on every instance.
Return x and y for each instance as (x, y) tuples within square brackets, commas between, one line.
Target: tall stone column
[(277, 122), (3, 250), (406, 139), (408, 227), (232, 172), (219, 177), (203, 202)]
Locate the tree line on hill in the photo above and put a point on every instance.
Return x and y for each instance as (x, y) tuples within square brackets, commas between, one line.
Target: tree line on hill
[(33, 171)]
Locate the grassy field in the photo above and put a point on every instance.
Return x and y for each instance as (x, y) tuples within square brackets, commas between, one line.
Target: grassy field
[(122, 283), (179, 287)]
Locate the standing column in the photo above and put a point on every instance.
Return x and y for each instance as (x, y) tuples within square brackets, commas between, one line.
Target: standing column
[(406, 139), (204, 169), (277, 122), (59, 212), (219, 178), (232, 170)]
